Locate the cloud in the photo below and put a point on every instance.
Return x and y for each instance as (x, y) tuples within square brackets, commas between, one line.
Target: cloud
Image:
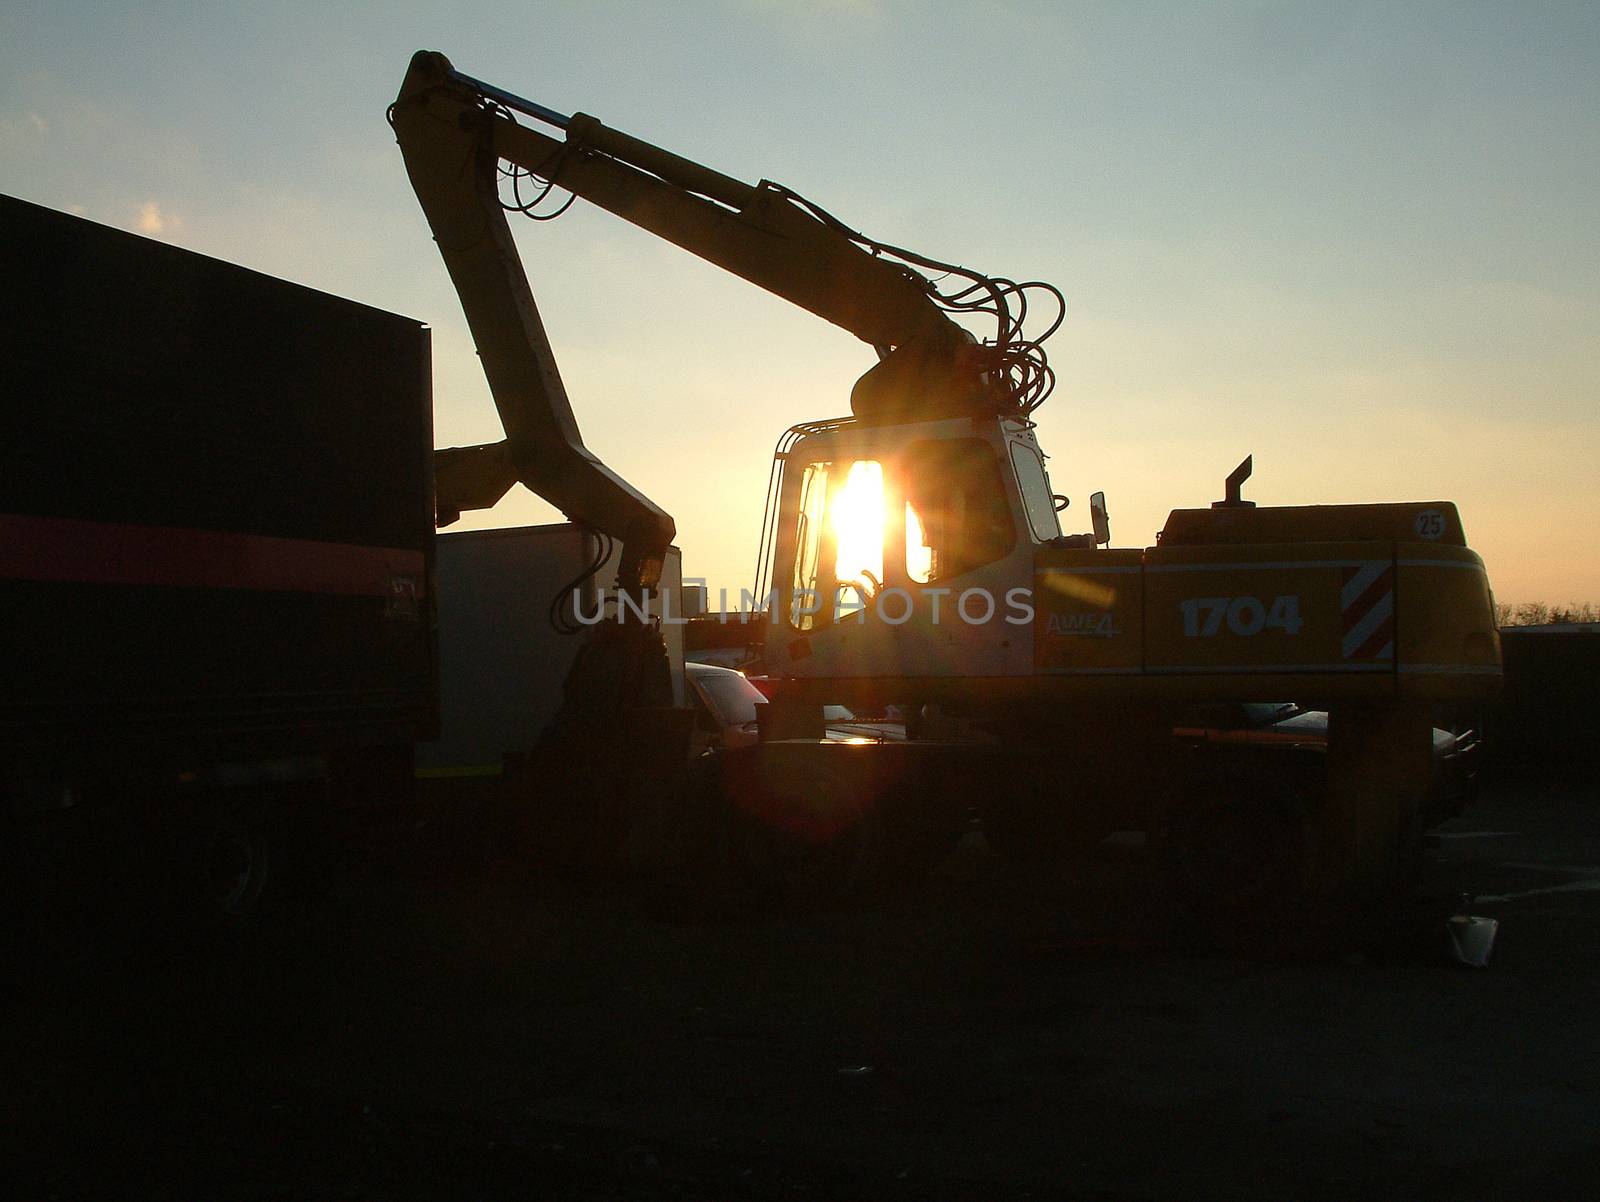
[(151, 220), (59, 149), (24, 131)]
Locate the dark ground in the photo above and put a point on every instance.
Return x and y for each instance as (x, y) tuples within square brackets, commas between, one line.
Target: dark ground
[(1000, 1034)]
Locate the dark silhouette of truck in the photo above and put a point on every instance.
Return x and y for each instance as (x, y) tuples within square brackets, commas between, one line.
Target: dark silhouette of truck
[(216, 548)]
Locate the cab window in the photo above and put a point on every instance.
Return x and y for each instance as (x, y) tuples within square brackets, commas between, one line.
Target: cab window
[(1035, 488), (957, 517), (839, 537), (806, 587)]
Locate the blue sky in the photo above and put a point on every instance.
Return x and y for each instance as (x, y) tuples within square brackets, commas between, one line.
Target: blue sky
[(1356, 240)]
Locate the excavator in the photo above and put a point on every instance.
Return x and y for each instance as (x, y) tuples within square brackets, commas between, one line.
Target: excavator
[(911, 552)]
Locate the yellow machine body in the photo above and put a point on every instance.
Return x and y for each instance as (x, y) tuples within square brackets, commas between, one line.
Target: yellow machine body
[(1281, 619), (1378, 603)]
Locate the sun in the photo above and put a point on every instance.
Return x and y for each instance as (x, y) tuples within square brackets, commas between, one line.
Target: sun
[(858, 521)]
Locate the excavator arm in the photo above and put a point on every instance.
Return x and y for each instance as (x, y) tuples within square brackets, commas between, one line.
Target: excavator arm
[(454, 131), (452, 168)]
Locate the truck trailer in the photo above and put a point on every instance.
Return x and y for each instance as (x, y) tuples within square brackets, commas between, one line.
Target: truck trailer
[(229, 619), (216, 541)]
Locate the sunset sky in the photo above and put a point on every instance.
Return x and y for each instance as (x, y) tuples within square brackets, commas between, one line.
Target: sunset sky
[(1356, 240)]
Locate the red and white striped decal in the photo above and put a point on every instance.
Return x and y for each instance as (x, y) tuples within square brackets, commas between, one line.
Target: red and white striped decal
[(1366, 606), (71, 550)]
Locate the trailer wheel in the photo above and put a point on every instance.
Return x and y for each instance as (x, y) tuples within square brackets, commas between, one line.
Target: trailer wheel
[(233, 863)]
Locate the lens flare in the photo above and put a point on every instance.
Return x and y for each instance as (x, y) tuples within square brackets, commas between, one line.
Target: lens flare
[(919, 555)]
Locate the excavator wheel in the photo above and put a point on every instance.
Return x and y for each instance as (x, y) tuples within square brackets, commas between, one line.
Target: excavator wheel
[(916, 840), (1238, 852), (1039, 824), (803, 838), (1379, 765)]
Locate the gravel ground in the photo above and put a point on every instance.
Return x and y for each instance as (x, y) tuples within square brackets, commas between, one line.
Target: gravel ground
[(1000, 1033)]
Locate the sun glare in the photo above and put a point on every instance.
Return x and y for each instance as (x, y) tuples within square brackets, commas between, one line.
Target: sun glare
[(919, 555), (858, 523)]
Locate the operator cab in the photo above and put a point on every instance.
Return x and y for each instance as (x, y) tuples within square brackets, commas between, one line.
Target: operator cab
[(897, 548)]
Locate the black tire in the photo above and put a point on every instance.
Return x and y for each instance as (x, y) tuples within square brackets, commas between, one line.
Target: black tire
[(1238, 854), (915, 843), (806, 840), (234, 865), (1039, 826)]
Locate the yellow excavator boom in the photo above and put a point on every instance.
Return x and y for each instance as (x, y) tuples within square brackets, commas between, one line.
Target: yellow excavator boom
[(455, 132)]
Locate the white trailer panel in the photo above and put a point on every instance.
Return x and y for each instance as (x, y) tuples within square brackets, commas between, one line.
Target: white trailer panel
[(501, 662)]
